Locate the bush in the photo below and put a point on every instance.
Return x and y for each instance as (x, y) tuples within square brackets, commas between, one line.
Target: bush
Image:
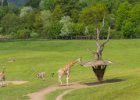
[(34, 35), (52, 30), (22, 34), (25, 33), (91, 30), (116, 34), (77, 29), (9, 23), (14, 35)]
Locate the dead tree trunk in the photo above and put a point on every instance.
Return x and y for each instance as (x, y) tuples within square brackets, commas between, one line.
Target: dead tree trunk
[(99, 70)]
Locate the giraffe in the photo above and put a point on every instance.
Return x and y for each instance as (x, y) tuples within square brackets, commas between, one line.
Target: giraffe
[(2, 77), (66, 70)]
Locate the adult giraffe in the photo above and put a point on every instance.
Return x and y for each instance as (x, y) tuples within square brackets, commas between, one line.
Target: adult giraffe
[(66, 70)]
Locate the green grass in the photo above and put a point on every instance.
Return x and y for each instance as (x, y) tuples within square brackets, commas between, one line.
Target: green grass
[(53, 95), (35, 56)]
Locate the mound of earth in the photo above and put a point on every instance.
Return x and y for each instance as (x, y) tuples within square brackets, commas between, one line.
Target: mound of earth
[(14, 82)]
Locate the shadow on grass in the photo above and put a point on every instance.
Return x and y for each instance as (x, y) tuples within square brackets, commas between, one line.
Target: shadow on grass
[(104, 82)]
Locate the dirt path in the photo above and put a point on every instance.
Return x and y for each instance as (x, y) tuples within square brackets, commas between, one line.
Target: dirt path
[(40, 95), (78, 86), (59, 97)]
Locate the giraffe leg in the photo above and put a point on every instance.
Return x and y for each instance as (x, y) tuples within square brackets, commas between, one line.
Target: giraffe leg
[(60, 80), (67, 79), (1, 83)]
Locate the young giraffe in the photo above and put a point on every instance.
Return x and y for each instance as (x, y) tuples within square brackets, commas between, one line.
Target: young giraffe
[(66, 70)]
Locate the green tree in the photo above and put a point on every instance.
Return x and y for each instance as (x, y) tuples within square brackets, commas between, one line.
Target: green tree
[(127, 29), (54, 29), (25, 10), (132, 23), (43, 23), (22, 34), (92, 14), (26, 22), (46, 17), (90, 2), (3, 11), (112, 5), (66, 21), (38, 23), (9, 23), (8, 9), (48, 4), (122, 14), (76, 29), (70, 8), (57, 13), (33, 3)]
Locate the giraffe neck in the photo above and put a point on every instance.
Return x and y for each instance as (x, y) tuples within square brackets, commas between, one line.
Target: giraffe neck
[(3, 70), (73, 63)]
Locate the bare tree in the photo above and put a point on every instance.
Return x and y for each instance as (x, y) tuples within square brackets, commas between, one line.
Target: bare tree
[(100, 46), (99, 65)]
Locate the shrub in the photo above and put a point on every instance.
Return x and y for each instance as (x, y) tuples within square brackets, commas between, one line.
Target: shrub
[(116, 34), (22, 34), (77, 29), (34, 35), (52, 30)]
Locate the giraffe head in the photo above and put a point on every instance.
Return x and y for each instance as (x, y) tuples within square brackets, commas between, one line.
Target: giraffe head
[(79, 60)]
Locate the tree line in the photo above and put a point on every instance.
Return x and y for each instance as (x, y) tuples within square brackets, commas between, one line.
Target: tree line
[(70, 18)]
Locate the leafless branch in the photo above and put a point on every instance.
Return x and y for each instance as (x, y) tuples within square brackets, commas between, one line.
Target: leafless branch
[(107, 39), (98, 31), (103, 23), (91, 51), (100, 46)]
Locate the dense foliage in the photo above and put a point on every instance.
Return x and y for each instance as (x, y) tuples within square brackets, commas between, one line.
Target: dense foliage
[(69, 18)]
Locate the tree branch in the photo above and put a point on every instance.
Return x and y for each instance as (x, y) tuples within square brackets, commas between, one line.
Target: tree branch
[(91, 51), (98, 31), (107, 39), (97, 34), (103, 23)]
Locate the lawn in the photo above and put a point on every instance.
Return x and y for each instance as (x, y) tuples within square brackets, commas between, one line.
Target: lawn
[(44, 55)]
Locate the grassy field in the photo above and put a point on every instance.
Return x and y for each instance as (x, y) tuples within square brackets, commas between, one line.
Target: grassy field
[(44, 55)]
